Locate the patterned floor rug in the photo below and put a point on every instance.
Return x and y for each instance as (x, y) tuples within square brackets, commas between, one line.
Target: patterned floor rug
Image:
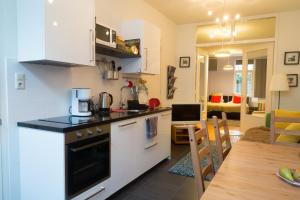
[(184, 166)]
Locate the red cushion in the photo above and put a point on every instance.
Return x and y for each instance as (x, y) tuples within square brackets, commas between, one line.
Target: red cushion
[(216, 99), (236, 99)]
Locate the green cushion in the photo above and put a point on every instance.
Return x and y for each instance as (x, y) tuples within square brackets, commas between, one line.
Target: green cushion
[(268, 120)]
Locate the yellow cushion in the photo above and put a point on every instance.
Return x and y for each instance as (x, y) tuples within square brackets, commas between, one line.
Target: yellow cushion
[(285, 113), (293, 127), (290, 138)]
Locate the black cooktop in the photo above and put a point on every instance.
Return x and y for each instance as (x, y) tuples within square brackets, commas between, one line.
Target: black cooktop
[(72, 120)]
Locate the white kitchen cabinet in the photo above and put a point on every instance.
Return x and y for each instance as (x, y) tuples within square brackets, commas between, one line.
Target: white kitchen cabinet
[(132, 154), (154, 150), (149, 63), (124, 162), (56, 32)]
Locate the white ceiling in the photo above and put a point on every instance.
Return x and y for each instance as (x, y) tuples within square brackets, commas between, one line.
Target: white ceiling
[(191, 11)]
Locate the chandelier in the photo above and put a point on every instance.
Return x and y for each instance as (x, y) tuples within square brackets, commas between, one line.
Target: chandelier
[(225, 24)]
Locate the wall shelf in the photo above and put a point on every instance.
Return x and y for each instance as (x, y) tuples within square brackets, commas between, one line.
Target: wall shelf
[(116, 52)]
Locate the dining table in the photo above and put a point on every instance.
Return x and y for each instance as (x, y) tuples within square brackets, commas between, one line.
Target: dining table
[(249, 173)]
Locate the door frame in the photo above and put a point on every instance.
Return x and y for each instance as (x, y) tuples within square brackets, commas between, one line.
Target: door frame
[(198, 87), (249, 121)]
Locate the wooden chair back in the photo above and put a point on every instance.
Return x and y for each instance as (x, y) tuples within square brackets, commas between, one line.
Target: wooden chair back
[(276, 131), (221, 139), (199, 153)]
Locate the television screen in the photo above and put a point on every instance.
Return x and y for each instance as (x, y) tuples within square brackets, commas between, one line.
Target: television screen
[(186, 112)]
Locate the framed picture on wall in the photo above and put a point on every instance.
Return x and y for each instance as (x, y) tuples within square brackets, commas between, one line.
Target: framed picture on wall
[(291, 58), (292, 80), (184, 62)]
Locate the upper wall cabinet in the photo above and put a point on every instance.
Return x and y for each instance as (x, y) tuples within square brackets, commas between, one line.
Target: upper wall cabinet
[(149, 63), (60, 32)]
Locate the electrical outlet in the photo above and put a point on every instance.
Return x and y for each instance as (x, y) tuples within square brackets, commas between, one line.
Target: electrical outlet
[(19, 81)]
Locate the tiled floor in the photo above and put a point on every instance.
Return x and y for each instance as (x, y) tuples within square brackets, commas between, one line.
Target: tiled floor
[(158, 184)]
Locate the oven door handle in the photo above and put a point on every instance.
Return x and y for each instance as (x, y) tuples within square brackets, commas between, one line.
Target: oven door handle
[(88, 145)]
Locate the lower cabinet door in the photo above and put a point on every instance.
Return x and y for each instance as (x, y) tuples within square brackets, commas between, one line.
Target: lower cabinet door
[(154, 150), (124, 156)]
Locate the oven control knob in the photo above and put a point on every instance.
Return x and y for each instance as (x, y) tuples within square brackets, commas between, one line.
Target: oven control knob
[(90, 132), (79, 134), (99, 130)]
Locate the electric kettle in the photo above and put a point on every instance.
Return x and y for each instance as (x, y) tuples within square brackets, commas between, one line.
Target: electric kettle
[(105, 101)]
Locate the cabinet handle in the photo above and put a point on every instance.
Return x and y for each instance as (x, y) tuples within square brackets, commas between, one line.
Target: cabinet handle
[(152, 145), (92, 45), (146, 54), (101, 189), (123, 125)]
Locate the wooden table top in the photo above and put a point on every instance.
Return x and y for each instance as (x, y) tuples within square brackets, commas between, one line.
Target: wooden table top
[(249, 173)]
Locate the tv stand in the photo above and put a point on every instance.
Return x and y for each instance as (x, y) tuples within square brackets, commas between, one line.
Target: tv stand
[(180, 133)]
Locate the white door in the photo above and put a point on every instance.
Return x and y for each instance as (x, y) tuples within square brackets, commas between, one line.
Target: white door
[(201, 94), (256, 97)]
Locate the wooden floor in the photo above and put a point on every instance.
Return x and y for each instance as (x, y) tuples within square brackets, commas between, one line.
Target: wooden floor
[(159, 184), (235, 133)]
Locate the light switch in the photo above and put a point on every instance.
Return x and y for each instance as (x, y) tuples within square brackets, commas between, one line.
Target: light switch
[(19, 81)]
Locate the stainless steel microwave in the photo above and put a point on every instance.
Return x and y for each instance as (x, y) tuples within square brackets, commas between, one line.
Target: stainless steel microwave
[(106, 36)]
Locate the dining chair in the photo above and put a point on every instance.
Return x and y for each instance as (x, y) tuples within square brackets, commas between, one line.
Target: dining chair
[(201, 149), (223, 143)]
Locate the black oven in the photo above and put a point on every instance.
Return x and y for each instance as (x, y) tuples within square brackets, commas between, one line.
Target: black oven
[(87, 159)]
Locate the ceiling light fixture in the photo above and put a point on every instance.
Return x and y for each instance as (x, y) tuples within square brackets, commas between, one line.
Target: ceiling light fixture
[(226, 24), (227, 67), (223, 53), (210, 13)]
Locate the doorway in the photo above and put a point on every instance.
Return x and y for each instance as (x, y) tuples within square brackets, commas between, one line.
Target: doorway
[(236, 84)]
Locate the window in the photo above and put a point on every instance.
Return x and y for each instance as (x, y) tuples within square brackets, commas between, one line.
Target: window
[(238, 74)]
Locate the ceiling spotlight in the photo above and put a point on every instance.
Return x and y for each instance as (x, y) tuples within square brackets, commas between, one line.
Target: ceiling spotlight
[(237, 16), (218, 20), (210, 13), (211, 36), (54, 23), (225, 18)]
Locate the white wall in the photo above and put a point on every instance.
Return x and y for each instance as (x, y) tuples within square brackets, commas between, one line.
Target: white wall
[(47, 87), (113, 13), (186, 46), (288, 33), (220, 80), (287, 39)]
